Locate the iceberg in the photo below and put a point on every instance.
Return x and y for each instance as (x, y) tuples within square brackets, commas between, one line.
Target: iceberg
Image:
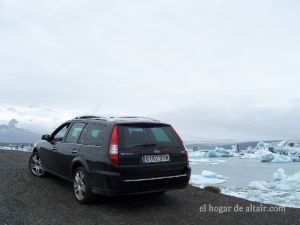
[(275, 158), (260, 185), (283, 152), (210, 174), (282, 190), (207, 178), (221, 152), (279, 175), (197, 153)]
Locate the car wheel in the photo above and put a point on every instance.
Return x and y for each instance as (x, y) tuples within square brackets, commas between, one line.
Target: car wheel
[(81, 186), (35, 165)]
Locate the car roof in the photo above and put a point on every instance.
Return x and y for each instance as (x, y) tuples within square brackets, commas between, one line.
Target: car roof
[(117, 119)]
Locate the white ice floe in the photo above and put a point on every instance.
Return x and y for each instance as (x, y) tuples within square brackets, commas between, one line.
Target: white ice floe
[(217, 152), (258, 154), (283, 152), (283, 190), (197, 153), (275, 158), (194, 161), (210, 174), (207, 178)]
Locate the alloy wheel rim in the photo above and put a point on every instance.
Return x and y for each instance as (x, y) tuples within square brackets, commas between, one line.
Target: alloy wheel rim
[(36, 165), (79, 185)]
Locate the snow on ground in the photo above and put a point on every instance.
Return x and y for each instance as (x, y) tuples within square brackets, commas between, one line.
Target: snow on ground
[(207, 178), (283, 190), (23, 148)]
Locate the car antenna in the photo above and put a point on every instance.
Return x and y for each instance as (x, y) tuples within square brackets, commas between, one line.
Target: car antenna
[(96, 109)]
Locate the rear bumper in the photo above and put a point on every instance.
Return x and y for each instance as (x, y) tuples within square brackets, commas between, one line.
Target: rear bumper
[(115, 185)]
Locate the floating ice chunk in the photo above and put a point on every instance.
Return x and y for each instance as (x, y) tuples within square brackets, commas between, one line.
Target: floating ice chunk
[(279, 175), (212, 153), (257, 154), (200, 160), (207, 178), (218, 152), (194, 161), (281, 143), (275, 158), (282, 187), (197, 154), (260, 185), (283, 190), (210, 174), (281, 159)]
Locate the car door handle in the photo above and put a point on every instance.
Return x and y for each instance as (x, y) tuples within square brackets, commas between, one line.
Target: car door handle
[(74, 151)]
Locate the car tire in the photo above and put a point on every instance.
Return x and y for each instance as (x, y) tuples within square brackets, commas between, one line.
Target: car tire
[(81, 187), (35, 165)]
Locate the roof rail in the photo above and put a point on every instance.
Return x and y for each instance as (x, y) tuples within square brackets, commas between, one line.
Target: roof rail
[(139, 117), (112, 118), (86, 117)]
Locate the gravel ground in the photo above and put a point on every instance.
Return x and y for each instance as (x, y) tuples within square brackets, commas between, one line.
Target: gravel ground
[(27, 200)]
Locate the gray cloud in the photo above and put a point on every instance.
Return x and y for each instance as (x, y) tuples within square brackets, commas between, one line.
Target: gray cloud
[(214, 68), (243, 121)]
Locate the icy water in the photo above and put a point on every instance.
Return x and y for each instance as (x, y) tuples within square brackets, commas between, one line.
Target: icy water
[(272, 183), (241, 172)]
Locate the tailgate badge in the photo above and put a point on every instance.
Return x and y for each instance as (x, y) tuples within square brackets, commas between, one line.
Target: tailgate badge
[(156, 151)]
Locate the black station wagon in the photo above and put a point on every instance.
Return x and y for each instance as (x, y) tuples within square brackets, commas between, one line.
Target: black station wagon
[(113, 156)]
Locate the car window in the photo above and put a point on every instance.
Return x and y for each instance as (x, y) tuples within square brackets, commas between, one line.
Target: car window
[(135, 135), (74, 132), (93, 134), (160, 135), (59, 134)]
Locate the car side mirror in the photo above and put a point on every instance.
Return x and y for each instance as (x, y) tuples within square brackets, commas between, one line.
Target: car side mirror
[(46, 137)]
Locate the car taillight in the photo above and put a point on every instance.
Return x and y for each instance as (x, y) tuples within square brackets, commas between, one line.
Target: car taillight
[(113, 148)]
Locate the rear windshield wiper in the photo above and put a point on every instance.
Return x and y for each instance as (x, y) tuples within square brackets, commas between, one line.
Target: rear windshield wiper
[(145, 145)]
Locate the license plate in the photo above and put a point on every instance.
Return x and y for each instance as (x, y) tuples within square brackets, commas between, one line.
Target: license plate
[(155, 158)]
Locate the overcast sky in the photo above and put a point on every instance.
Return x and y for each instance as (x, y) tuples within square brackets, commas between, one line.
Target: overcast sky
[(214, 69)]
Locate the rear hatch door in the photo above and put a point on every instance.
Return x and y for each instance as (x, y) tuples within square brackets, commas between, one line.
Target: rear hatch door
[(148, 150)]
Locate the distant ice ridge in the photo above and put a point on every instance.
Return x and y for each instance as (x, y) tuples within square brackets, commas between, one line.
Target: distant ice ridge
[(206, 161), (18, 147), (217, 152), (283, 152), (207, 178), (283, 190)]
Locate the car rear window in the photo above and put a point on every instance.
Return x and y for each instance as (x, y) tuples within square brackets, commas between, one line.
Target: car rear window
[(147, 134)]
